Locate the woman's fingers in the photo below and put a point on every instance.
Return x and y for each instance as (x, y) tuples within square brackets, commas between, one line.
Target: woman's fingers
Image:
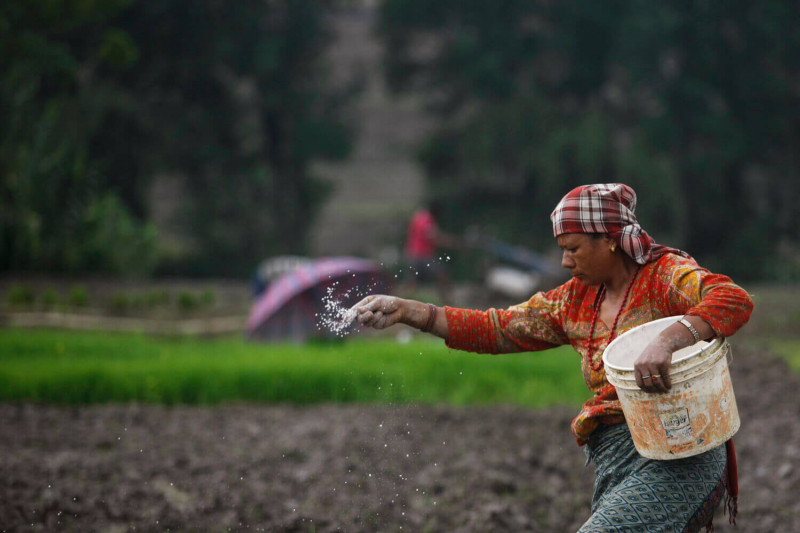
[(652, 367), (653, 380), (376, 311), (664, 379), (656, 382), (377, 302), (365, 303), (367, 317), (651, 377)]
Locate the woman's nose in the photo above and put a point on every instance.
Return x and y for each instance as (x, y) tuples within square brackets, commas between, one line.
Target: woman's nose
[(566, 262)]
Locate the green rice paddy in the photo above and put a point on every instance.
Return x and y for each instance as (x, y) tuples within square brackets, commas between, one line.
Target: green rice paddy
[(71, 367)]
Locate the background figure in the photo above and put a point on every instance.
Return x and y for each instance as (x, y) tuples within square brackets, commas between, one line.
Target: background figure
[(424, 240)]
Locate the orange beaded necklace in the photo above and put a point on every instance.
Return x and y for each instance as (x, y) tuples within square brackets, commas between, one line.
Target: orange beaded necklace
[(600, 297)]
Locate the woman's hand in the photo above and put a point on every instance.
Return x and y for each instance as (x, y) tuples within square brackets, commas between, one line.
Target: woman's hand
[(652, 367), (380, 311)]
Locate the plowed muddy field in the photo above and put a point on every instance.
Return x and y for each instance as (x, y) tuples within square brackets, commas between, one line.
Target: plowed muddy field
[(353, 468)]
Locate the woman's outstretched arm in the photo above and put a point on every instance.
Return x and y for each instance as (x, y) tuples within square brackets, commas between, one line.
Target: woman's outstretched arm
[(380, 311)]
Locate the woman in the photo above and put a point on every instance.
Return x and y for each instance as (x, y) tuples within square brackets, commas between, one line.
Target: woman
[(620, 279)]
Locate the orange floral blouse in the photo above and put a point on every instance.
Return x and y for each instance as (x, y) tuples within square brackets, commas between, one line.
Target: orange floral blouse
[(671, 285)]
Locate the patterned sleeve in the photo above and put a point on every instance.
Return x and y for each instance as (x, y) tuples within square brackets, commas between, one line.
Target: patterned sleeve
[(532, 326), (715, 298)]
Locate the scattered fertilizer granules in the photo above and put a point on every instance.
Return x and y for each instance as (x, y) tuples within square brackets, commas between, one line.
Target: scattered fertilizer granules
[(339, 314)]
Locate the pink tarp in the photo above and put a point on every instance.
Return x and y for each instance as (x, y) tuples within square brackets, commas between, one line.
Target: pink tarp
[(291, 306)]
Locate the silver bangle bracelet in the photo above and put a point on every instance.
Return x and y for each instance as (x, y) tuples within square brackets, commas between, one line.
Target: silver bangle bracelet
[(691, 328)]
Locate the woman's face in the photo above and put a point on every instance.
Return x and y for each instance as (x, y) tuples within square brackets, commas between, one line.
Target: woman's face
[(589, 259)]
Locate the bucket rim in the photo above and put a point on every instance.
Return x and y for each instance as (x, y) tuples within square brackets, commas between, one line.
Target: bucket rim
[(697, 348)]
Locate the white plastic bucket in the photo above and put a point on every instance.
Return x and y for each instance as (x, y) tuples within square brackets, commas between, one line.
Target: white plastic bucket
[(697, 414)]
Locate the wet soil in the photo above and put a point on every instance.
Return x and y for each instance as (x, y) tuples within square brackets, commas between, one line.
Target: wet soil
[(353, 468)]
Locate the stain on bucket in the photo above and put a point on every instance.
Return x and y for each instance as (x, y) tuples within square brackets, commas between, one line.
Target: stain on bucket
[(699, 412)]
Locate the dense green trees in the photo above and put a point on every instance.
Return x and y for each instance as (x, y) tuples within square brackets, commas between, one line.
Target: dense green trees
[(100, 96), (64, 204), (244, 106), (695, 104)]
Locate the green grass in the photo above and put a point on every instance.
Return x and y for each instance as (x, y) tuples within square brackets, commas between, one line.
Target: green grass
[(773, 323), (789, 349), (69, 367)]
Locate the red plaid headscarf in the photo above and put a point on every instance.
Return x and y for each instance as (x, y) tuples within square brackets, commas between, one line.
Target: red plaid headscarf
[(608, 208)]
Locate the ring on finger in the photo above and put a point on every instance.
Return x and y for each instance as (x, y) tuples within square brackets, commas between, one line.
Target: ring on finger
[(654, 376), (646, 377)]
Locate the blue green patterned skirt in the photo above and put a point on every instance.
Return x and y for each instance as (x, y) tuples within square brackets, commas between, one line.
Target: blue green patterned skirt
[(636, 494)]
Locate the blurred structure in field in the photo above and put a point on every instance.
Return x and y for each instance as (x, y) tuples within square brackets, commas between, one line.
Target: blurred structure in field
[(517, 272), (292, 306), (273, 268)]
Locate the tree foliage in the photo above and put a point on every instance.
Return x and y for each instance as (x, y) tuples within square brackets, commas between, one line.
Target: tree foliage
[(53, 99), (244, 107), (693, 104), (100, 96)]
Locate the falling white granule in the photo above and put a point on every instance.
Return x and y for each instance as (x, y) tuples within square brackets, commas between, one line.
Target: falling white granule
[(338, 317)]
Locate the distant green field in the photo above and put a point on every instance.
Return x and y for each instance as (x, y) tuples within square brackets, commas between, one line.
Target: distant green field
[(69, 367), (789, 349), (774, 322)]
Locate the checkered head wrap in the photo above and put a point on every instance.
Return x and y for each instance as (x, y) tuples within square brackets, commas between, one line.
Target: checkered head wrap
[(608, 208)]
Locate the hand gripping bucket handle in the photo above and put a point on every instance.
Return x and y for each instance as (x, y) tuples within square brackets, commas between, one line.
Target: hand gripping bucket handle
[(697, 414)]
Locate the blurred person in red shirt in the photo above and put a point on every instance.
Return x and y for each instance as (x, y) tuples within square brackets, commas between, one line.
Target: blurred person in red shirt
[(424, 240)]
